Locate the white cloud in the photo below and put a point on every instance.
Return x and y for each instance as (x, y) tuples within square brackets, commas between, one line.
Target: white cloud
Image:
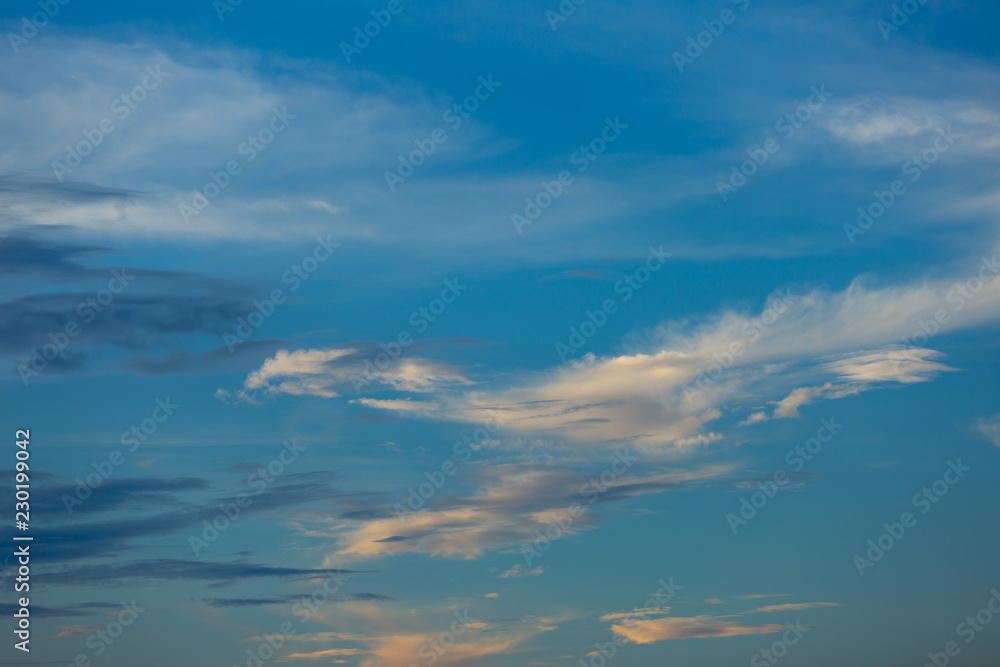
[(823, 346), (990, 427), (327, 372), (521, 571)]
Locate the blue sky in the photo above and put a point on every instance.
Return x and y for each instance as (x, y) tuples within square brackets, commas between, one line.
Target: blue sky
[(531, 334)]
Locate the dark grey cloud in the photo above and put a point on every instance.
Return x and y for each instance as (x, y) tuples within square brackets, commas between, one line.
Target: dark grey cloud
[(286, 599), (75, 191), (83, 609), (58, 282), (170, 569), (113, 494), (216, 360), (22, 252), (142, 500)]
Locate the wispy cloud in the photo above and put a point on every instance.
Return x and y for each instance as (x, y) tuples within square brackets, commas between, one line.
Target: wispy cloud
[(695, 627)]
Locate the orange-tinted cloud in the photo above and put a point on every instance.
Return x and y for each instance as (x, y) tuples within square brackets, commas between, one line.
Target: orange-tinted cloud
[(648, 631)]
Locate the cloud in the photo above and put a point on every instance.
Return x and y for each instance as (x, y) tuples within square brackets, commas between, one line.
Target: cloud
[(522, 571), (84, 609), (143, 313), (111, 533), (760, 596), (695, 627), (172, 569), (327, 372), (754, 418), (794, 607), (329, 653), (75, 631), (819, 346), (990, 427), (513, 501), (789, 406), (392, 637), (647, 611), (405, 405)]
